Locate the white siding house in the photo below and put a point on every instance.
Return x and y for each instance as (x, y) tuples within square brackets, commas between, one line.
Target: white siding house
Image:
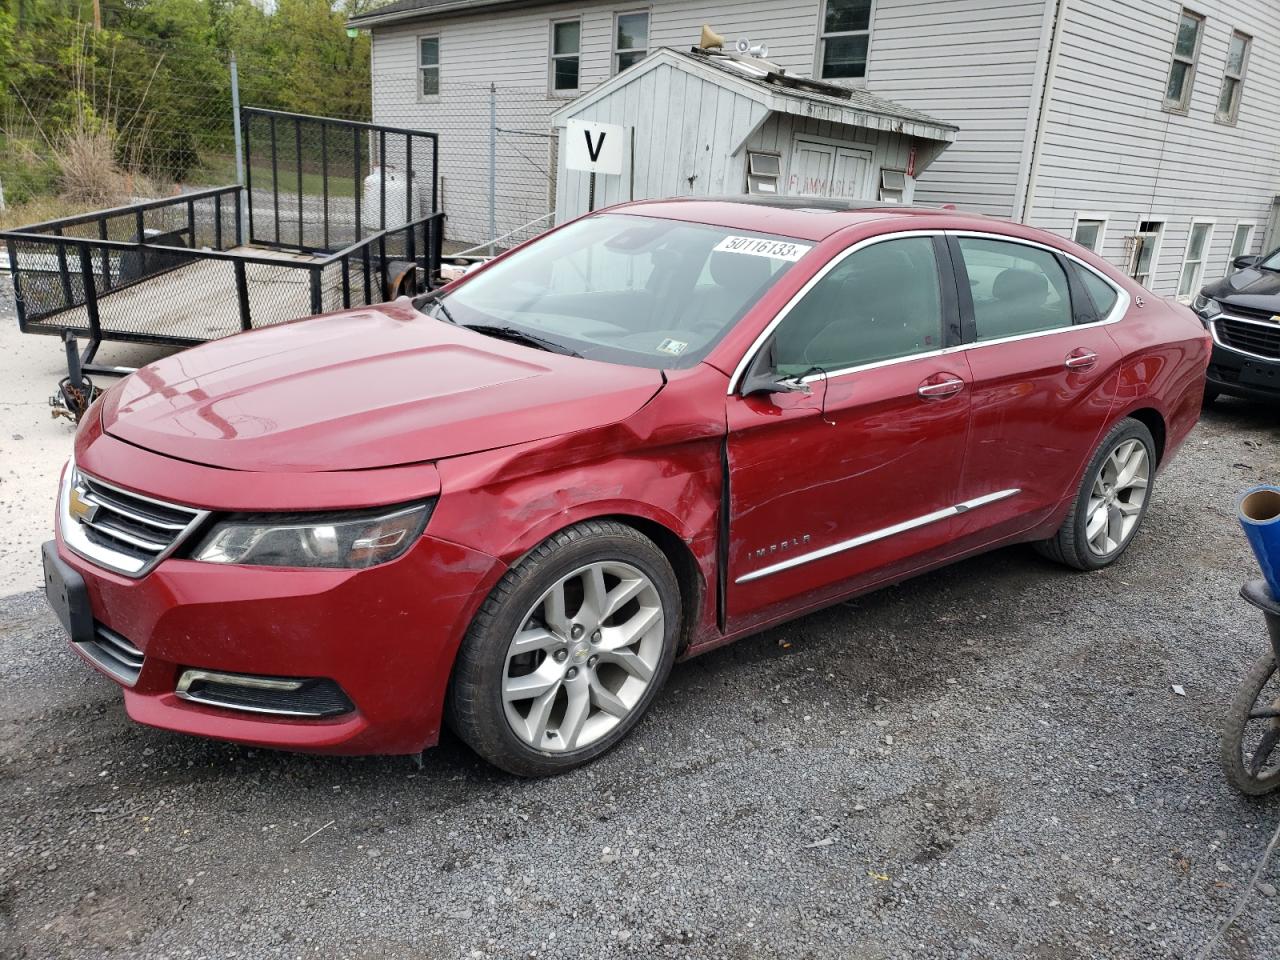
[(1061, 105)]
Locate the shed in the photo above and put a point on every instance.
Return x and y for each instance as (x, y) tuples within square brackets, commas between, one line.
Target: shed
[(705, 124)]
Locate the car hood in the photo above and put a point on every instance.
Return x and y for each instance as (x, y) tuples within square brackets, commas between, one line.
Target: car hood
[(1251, 289), (367, 388)]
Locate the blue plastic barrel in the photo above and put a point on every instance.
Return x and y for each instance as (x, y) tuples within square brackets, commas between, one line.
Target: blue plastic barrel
[(1260, 517)]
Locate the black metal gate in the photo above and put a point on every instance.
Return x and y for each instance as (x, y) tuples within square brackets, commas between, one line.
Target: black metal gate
[(324, 184)]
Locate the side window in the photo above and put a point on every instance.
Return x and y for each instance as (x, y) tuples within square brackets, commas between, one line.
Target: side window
[(1102, 296), (880, 303), (1016, 289)]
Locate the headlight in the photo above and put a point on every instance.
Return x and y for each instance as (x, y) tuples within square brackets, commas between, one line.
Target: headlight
[(1207, 307), (315, 540)]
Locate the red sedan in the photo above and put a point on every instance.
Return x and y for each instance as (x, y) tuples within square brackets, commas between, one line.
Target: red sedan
[(512, 504)]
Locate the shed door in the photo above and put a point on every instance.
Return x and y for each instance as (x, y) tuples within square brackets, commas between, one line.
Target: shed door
[(827, 170)]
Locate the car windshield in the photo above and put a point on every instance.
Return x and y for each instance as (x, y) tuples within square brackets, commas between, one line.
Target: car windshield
[(624, 289), (1272, 262)]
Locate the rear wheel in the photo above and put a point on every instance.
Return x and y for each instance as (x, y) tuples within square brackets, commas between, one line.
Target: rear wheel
[(568, 651), (1111, 503)]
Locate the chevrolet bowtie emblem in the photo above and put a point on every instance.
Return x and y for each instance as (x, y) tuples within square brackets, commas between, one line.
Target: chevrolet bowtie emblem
[(82, 509), (1275, 318)]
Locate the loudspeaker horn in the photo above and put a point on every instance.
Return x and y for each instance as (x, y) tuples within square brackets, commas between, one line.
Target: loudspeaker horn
[(710, 39)]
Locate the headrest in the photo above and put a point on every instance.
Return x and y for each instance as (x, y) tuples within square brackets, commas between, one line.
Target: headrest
[(1021, 285), (739, 271)]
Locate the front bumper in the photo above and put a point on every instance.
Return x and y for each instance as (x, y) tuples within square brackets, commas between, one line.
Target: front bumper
[(1238, 374), (386, 636)]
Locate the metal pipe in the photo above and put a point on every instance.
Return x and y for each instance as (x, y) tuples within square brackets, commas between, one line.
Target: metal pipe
[(235, 120), (493, 164)]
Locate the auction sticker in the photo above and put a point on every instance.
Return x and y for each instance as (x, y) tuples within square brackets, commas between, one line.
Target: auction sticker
[(673, 347), (755, 247)]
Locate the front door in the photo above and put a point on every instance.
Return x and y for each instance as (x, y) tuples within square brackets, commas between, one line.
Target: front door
[(857, 481), (1043, 381)]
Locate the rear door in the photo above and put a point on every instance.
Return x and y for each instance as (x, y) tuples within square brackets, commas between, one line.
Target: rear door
[(1045, 372)]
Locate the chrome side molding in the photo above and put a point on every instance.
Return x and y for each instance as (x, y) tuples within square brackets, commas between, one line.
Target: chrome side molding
[(885, 532)]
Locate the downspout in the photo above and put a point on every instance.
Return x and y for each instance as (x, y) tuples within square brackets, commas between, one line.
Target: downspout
[(1027, 201)]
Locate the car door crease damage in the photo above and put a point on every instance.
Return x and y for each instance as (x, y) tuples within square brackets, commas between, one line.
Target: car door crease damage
[(670, 445)]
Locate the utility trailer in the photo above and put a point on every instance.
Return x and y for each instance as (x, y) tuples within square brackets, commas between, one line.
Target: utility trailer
[(333, 214)]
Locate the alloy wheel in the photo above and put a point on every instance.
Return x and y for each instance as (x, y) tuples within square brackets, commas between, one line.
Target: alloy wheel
[(1117, 496), (583, 657)]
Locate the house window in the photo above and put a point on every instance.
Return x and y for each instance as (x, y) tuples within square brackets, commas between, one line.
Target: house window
[(1090, 230), (566, 43), (1242, 240), (1182, 72), (764, 170), (630, 40), (429, 66), (1233, 78), (1193, 263), (846, 34), (1143, 248), (893, 185)]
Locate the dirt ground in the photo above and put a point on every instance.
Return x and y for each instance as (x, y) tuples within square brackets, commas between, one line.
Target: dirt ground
[(987, 762)]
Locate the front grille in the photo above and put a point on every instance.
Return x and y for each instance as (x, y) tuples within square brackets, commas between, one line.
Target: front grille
[(281, 696), (114, 654), (1256, 338), (1263, 315), (120, 530)]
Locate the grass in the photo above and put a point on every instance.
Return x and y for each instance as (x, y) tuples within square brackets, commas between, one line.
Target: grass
[(220, 170), (40, 209)]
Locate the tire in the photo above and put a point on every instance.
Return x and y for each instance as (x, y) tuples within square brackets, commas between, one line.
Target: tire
[(1073, 545), (505, 700), (1233, 734)]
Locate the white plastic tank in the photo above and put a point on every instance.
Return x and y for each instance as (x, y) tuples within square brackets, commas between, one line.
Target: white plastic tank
[(397, 199)]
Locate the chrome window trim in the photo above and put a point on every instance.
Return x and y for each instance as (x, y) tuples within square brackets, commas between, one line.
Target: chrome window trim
[(78, 543), (882, 534), (1123, 302), (1217, 340)]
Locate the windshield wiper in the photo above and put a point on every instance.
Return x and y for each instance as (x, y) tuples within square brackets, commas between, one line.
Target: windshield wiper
[(520, 336), (439, 302)]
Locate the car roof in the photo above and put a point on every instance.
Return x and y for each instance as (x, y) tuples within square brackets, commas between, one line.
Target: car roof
[(804, 218)]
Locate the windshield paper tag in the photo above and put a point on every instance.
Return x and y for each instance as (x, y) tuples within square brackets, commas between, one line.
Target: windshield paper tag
[(673, 347), (755, 247)]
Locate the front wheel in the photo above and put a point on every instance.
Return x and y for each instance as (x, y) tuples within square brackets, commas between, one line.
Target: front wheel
[(568, 651), (1111, 503)]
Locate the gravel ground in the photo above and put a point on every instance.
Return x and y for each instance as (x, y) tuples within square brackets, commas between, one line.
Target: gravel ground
[(986, 762)]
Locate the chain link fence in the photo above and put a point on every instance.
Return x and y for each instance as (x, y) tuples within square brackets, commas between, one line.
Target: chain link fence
[(498, 155)]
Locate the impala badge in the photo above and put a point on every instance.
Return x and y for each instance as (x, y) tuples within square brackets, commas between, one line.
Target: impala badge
[(781, 547)]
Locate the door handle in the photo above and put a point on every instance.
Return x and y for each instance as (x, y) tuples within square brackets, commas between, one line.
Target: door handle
[(940, 389), (1080, 359)]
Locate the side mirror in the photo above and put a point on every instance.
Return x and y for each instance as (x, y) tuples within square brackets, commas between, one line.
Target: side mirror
[(1243, 263), (763, 377)]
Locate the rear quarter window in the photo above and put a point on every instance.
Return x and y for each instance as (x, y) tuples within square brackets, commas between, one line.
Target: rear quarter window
[(1102, 296)]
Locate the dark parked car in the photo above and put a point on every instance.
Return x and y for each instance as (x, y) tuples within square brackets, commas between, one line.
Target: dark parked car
[(1242, 312)]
